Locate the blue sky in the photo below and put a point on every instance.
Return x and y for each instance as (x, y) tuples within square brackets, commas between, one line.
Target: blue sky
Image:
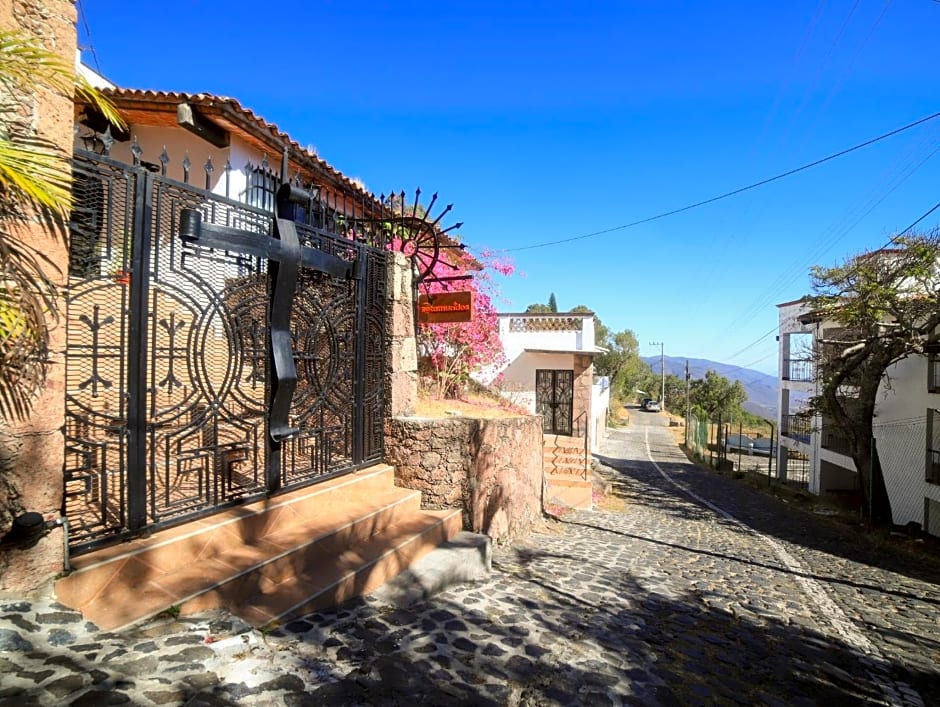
[(543, 121)]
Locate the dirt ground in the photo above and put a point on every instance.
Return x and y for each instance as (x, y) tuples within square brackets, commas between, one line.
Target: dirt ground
[(469, 405)]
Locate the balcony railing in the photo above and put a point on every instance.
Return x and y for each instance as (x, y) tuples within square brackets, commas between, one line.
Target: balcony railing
[(798, 427), (798, 369), (835, 441), (933, 467)]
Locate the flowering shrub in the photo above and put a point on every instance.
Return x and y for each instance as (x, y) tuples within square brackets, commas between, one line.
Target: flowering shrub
[(449, 353)]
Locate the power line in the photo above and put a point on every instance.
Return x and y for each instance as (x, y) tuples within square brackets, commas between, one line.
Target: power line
[(753, 343), (891, 241), (91, 44), (835, 233), (762, 358), (735, 192), (894, 239)]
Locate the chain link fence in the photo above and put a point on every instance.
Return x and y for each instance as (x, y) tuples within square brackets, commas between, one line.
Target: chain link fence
[(732, 447), (907, 451)]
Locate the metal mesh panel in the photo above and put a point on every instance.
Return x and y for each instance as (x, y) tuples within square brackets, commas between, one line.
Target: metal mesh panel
[(373, 398), (96, 338)]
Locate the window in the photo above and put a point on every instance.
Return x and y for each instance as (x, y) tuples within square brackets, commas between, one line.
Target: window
[(933, 447), (933, 373), (262, 187), (554, 398)]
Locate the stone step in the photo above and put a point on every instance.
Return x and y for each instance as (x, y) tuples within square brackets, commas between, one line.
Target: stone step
[(564, 442), (467, 557), (320, 580), (574, 470), (564, 453), (572, 492), (214, 561)]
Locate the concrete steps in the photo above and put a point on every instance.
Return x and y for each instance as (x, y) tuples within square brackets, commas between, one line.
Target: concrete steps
[(570, 491), (567, 471), (267, 561)]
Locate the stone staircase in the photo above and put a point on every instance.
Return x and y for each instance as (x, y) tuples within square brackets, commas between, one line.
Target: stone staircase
[(268, 561), (567, 471)]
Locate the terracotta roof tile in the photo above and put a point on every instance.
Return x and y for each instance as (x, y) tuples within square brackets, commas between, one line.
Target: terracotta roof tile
[(243, 117)]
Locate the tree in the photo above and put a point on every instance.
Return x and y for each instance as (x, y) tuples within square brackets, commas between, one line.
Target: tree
[(451, 352), (675, 394), (552, 303), (34, 186), (716, 395), (620, 361), (883, 306)]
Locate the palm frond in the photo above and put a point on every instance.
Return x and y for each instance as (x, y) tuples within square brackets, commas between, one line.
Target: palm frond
[(103, 104), (26, 299), (34, 181), (32, 169), (25, 64)]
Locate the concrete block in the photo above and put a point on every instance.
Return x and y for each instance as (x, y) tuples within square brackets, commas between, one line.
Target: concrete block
[(468, 557)]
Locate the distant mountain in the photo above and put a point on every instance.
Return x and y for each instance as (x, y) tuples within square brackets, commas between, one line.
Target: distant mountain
[(761, 388)]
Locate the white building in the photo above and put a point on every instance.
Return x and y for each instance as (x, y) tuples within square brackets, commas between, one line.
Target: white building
[(906, 426), (549, 370)]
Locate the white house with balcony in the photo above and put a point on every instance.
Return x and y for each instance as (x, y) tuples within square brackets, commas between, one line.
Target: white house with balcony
[(906, 427), (549, 371)]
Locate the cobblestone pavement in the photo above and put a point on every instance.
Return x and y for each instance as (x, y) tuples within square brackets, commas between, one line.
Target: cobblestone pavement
[(691, 589)]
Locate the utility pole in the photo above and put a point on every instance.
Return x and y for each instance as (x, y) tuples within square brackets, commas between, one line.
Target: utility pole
[(688, 402), (662, 364)]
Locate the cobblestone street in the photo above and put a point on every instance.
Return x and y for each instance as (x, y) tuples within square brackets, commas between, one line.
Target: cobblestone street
[(690, 589)]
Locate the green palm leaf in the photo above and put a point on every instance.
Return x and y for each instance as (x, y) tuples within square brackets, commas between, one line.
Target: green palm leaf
[(34, 181)]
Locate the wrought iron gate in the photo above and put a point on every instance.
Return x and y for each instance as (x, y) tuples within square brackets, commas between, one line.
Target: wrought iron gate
[(554, 400), (169, 367)]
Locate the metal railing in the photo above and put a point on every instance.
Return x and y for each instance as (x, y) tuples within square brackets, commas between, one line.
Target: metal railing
[(835, 441), (798, 427), (798, 370)]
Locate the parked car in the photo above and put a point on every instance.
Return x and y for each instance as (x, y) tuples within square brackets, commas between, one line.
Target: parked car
[(644, 402), (759, 446), (737, 442), (653, 406), (763, 447)]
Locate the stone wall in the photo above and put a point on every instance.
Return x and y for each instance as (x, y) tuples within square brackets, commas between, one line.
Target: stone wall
[(581, 404), (400, 344), (491, 469), (31, 451)]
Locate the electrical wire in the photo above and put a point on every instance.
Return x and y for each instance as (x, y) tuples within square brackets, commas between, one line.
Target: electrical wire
[(835, 234), (734, 192), (890, 242), (91, 44), (894, 239), (752, 344)]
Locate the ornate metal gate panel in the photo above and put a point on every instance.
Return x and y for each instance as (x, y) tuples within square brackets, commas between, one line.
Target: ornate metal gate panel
[(554, 400), (169, 359)]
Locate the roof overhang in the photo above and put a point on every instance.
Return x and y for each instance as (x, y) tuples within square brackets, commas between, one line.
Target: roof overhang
[(575, 352)]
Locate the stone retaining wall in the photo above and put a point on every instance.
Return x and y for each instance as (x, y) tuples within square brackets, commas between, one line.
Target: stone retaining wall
[(491, 469)]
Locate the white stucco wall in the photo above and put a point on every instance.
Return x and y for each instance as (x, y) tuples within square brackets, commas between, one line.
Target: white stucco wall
[(180, 143), (900, 428), (600, 404), (515, 342), (518, 379)]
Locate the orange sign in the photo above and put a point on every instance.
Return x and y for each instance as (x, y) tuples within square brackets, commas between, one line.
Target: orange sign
[(445, 308)]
